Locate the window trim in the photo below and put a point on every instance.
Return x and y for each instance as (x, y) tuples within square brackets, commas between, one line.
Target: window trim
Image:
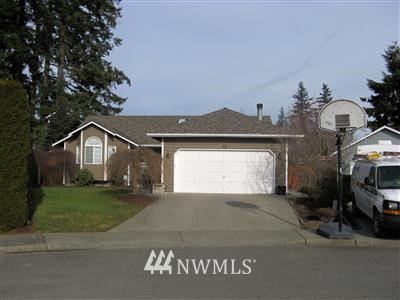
[(94, 146), (77, 154), (108, 151)]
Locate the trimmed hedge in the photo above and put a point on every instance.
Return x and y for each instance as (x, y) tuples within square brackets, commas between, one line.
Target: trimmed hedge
[(15, 148)]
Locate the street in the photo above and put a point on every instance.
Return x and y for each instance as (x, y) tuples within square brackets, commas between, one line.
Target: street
[(276, 273)]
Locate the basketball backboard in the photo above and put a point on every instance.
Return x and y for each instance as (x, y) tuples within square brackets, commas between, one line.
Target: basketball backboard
[(341, 114)]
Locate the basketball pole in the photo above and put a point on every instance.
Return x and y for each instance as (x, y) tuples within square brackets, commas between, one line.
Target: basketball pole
[(340, 177)]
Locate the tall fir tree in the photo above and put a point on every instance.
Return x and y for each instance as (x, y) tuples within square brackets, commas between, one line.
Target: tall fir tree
[(301, 107), (325, 96), (282, 120), (385, 100), (58, 50)]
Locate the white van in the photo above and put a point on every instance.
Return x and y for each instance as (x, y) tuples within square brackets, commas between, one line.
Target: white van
[(375, 186)]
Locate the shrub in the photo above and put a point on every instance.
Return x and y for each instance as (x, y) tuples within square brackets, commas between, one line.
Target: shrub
[(84, 177), (50, 166), (144, 167), (15, 150)]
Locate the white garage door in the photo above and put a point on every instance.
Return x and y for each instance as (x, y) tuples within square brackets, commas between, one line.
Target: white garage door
[(224, 171)]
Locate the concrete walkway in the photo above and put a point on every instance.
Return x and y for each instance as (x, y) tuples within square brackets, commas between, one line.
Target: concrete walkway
[(214, 212)]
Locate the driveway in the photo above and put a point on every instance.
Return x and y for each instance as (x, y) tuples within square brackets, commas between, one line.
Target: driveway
[(214, 212)]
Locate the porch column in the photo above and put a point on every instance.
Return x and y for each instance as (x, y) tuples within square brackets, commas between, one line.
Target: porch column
[(81, 150), (64, 175)]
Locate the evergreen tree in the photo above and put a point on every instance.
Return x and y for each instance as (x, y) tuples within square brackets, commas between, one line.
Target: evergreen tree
[(325, 96), (301, 107), (385, 100), (282, 120), (60, 123), (59, 50), (302, 102), (15, 150)]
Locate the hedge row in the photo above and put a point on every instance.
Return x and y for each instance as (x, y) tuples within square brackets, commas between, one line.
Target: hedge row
[(15, 148)]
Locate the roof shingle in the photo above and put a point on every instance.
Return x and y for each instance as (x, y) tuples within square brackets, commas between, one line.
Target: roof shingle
[(223, 121)]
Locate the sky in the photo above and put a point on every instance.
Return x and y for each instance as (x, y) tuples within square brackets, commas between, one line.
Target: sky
[(193, 57)]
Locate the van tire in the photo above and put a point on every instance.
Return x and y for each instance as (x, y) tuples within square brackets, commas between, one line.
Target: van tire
[(355, 212), (379, 230)]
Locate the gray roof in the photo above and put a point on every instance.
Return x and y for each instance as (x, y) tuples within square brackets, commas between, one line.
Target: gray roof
[(135, 128), (223, 121)]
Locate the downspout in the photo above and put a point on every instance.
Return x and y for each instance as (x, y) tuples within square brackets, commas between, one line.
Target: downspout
[(64, 175), (105, 155), (286, 167), (129, 170), (162, 160)]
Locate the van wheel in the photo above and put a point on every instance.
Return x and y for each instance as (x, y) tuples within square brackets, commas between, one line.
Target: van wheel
[(379, 230), (355, 212)]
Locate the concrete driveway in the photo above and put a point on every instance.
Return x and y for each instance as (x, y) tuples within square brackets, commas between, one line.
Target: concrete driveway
[(214, 212)]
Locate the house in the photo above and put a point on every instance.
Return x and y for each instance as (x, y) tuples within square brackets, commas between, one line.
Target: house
[(379, 139), (220, 152)]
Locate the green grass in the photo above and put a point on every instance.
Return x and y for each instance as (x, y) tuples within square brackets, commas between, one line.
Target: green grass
[(84, 209)]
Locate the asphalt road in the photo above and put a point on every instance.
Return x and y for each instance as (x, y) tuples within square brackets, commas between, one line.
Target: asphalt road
[(276, 273)]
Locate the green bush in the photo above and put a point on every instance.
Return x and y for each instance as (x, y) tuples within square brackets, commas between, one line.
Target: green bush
[(84, 177), (15, 150)]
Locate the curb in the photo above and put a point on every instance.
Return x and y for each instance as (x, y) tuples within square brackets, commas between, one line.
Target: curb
[(202, 240)]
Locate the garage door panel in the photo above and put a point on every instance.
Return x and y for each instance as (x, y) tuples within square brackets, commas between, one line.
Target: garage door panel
[(234, 166), (210, 187), (210, 176), (210, 156), (211, 166), (236, 187), (226, 171), (235, 176)]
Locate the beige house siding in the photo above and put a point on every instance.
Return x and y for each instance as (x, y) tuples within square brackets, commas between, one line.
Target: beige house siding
[(171, 145), (97, 170)]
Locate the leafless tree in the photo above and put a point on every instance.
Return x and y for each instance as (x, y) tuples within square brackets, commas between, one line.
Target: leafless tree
[(139, 167)]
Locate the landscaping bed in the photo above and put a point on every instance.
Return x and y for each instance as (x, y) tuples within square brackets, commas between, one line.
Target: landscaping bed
[(311, 213)]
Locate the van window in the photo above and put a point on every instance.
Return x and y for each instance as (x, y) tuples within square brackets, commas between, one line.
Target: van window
[(389, 177), (371, 176)]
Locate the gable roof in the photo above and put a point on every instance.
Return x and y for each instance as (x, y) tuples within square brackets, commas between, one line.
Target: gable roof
[(369, 135), (143, 130)]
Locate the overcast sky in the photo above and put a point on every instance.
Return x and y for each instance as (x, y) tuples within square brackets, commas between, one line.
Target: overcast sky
[(193, 57)]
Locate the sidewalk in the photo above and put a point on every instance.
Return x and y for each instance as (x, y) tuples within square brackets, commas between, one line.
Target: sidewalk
[(18, 243)]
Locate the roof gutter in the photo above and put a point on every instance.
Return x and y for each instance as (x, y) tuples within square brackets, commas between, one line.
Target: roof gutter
[(231, 135)]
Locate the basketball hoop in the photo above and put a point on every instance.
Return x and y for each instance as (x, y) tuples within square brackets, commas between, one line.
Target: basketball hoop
[(340, 117), (343, 115)]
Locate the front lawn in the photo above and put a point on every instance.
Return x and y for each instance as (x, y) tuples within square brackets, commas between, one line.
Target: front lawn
[(85, 209)]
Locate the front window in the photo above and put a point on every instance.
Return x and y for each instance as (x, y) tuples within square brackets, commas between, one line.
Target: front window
[(77, 155), (389, 177), (93, 151), (111, 151)]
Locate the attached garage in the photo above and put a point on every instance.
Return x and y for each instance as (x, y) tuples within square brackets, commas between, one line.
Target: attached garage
[(239, 171), (224, 152)]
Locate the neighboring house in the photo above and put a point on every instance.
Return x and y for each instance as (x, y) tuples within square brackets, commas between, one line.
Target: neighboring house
[(376, 139), (220, 152)]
